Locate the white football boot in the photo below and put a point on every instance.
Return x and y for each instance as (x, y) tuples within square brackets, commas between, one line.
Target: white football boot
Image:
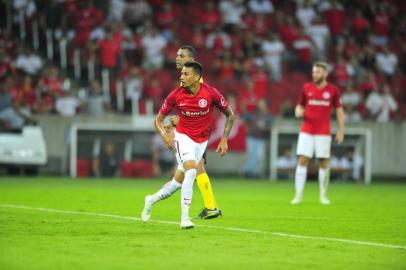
[(324, 200), (297, 199), (146, 212), (185, 223)]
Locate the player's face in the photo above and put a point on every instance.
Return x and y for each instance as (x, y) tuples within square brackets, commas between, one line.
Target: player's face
[(319, 74), (188, 77), (182, 56)]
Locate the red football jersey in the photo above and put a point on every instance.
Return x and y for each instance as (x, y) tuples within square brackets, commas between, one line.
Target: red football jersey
[(318, 103), (195, 112)]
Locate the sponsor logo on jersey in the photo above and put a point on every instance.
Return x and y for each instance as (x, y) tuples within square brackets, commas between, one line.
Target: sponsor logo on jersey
[(319, 102), (202, 103), (187, 113)]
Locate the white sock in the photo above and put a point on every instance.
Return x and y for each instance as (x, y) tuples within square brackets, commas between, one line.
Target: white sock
[(324, 178), (300, 179), (187, 192), (167, 190)]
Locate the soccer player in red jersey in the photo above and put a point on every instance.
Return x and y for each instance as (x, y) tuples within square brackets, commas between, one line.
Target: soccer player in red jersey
[(211, 210), (194, 101), (315, 104)]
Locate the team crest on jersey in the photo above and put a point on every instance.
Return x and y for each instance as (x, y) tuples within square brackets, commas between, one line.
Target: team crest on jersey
[(202, 103), (326, 95), (223, 101)]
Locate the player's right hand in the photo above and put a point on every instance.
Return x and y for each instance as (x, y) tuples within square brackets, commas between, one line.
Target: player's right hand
[(299, 111), (169, 142)]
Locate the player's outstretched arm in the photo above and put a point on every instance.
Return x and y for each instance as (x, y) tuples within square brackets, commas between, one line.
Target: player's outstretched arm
[(222, 147), (165, 135), (340, 121), (299, 111)]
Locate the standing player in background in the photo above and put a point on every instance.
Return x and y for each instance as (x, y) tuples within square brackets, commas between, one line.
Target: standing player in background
[(187, 53), (315, 104), (194, 101)]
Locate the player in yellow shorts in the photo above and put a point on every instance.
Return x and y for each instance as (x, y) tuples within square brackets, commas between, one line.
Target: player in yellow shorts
[(210, 210)]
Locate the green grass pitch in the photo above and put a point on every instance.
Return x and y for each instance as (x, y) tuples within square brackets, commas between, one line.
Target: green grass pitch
[(363, 228)]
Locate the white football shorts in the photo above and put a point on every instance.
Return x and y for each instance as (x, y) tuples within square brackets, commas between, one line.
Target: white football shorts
[(309, 144), (187, 149)]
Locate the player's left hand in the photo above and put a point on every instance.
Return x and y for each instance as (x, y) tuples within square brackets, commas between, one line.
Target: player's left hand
[(222, 148), (339, 136)]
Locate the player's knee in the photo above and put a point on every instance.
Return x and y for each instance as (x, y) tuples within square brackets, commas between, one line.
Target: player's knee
[(200, 167), (303, 161), (190, 164)]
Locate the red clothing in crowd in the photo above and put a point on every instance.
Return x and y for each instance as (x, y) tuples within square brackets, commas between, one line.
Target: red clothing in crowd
[(335, 20), (109, 51)]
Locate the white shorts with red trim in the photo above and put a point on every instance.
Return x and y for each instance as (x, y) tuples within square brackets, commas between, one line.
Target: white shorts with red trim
[(188, 149), (309, 144)]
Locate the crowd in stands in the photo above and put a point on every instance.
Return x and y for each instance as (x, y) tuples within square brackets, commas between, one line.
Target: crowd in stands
[(253, 49)]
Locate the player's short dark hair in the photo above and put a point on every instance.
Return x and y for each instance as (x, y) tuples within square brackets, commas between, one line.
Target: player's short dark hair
[(190, 49), (321, 64), (197, 67)]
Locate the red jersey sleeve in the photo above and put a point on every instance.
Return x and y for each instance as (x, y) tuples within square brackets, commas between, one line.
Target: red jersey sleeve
[(169, 103), (302, 97), (218, 100), (337, 99)]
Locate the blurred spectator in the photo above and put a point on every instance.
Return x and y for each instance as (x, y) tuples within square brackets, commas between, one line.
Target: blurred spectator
[(273, 50), (334, 15), (153, 44), (84, 20), (342, 71), (381, 104), (232, 12), (67, 104), (26, 7), (117, 10), (27, 94), (353, 163), (366, 58), (320, 35), (109, 49), (350, 97), (247, 97), (13, 114), (288, 32), (134, 87), (368, 84), (258, 126), (225, 66), (352, 115), (261, 6), (381, 26), (50, 82), (305, 13), (96, 103), (210, 18), (386, 62), (286, 109), (198, 38), (218, 40), (107, 164), (359, 27), (29, 62), (166, 16), (303, 47), (6, 67), (286, 164), (136, 12)]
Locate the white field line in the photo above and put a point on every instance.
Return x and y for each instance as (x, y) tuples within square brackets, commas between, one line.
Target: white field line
[(236, 229)]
